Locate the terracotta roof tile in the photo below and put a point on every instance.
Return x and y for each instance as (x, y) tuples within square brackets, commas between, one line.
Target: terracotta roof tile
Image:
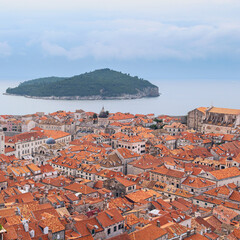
[(110, 217)]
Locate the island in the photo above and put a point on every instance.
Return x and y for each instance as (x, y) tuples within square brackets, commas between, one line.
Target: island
[(95, 85)]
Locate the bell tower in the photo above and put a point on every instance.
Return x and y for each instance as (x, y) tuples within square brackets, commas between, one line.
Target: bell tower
[(2, 141)]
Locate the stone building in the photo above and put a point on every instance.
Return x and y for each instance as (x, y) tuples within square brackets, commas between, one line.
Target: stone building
[(2, 142), (146, 163), (168, 176), (78, 114), (112, 222), (220, 120), (175, 128), (103, 118), (133, 143), (25, 144), (223, 176), (112, 162), (197, 185), (226, 215), (51, 124), (120, 186), (127, 156), (83, 190), (3, 182), (47, 151), (195, 118)]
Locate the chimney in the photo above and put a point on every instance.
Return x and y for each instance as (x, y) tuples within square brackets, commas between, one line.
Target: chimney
[(209, 230), (25, 225), (154, 197), (32, 233), (45, 230), (158, 224)]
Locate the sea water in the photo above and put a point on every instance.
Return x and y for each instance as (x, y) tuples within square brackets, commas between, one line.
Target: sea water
[(177, 98)]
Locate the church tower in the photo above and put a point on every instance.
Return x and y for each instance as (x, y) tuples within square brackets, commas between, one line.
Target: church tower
[(2, 142)]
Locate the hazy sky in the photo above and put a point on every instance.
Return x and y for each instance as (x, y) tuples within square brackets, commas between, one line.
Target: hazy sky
[(154, 39)]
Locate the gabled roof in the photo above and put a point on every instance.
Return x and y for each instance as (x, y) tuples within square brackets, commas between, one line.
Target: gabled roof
[(55, 134), (125, 153), (2, 178), (80, 188), (147, 161), (138, 196), (224, 111), (225, 173), (51, 222), (196, 182), (150, 232), (202, 109), (109, 217), (24, 137), (125, 182), (168, 172), (85, 226), (222, 190), (174, 229), (196, 236)]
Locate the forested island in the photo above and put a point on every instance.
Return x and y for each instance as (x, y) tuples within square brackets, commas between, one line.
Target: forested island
[(99, 84)]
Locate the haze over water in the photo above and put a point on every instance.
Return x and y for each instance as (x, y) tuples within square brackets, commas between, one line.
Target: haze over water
[(177, 98), (193, 42)]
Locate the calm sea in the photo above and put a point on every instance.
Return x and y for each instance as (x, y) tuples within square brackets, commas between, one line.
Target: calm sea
[(177, 98)]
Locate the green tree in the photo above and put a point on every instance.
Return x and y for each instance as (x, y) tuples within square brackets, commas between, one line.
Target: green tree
[(103, 82)]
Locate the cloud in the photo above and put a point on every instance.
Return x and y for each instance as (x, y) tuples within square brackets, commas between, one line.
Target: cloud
[(56, 50), (143, 39), (153, 30), (5, 49)]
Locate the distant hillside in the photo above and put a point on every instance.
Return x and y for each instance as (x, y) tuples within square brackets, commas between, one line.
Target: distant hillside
[(99, 84), (42, 80)]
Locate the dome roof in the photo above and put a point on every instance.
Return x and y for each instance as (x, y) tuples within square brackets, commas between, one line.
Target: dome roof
[(50, 141)]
